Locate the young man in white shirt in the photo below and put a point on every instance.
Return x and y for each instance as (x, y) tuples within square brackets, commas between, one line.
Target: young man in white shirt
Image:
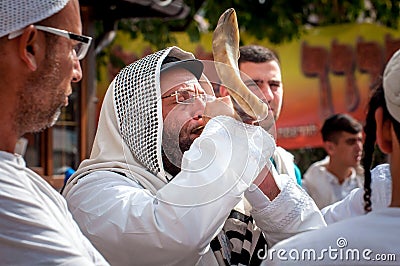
[(331, 179)]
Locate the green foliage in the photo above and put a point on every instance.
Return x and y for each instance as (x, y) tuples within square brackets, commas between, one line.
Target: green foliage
[(387, 12), (276, 20), (193, 32)]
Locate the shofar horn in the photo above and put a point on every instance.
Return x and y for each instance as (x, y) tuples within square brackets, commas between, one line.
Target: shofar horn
[(226, 53)]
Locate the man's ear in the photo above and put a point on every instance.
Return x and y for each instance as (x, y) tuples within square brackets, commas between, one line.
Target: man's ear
[(329, 147), (28, 47), (223, 91), (383, 133)]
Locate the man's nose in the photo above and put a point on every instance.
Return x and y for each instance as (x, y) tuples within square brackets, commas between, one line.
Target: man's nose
[(267, 92), (198, 107), (77, 71), (359, 145)]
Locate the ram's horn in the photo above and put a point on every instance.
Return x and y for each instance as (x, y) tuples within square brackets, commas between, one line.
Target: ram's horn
[(226, 53)]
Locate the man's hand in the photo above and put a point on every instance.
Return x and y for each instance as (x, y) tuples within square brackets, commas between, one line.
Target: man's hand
[(266, 182)]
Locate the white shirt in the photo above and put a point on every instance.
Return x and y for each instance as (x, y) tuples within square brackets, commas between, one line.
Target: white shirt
[(349, 230), (36, 226), (128, 223), (371, 239), (324, 187), (353, 204)]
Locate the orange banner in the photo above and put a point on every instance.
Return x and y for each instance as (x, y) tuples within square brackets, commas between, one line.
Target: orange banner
[(330, 70)]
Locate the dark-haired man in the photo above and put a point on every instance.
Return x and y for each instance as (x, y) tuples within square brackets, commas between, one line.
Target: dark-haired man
[(331, 179), (261, 72)]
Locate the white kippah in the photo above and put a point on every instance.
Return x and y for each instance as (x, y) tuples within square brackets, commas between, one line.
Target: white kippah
[(17, 14), (391, 85)]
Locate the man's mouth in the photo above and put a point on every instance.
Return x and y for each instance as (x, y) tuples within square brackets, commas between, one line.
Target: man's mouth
[(197, 130)]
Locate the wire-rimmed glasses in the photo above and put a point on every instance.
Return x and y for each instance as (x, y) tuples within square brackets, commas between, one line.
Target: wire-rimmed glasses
[(189, 96)]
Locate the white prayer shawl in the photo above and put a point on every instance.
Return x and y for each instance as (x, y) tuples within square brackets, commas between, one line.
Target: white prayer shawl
[(178, 219)]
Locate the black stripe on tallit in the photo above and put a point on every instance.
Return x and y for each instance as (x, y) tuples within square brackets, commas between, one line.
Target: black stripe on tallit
[(244, 219), (249, 235), (242, 258), (215, 245), (261, 244), (240, 216), (234, 234)]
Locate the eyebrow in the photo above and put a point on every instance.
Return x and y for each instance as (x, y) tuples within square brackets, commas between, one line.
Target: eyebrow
[(353, 139), (251, 82), (276, 82)]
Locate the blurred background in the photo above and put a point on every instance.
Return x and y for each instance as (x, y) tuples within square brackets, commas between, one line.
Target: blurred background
[(333, 46)]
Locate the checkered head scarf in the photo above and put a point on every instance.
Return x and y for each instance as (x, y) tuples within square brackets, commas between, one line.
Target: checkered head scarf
[(18, 14), (129, 134)]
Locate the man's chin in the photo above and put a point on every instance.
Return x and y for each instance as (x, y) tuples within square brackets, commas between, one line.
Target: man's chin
[(55, 117), (169, 167), (39, 127), (185, 145)]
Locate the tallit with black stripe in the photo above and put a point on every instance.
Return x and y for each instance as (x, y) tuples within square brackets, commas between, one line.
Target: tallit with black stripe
[(239, 241)]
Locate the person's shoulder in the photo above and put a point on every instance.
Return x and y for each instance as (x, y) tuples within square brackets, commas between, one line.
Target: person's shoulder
[(328, 236), (284, 154), (351, 235), (9, 163), (101, 180), (279, 149), (14, 175), (323, 162), (381, 173), (316, 169)]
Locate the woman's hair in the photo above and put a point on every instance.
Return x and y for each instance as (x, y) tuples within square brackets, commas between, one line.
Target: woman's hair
[(377, 100)]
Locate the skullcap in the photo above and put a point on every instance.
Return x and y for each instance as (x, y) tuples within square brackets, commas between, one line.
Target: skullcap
[(391, 85), (18, 14)]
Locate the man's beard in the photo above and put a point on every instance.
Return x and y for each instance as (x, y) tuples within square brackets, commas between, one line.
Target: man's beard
[(169, 167), (41, 98), (172, 156)]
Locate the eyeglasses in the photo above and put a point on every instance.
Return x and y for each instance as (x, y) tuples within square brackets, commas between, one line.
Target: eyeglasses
[(189, 96), (80, 48)]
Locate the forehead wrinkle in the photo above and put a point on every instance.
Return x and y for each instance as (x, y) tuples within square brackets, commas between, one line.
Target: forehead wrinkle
[(172, 78)]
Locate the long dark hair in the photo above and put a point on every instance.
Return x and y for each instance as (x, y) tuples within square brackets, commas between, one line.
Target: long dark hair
[(377, 100)]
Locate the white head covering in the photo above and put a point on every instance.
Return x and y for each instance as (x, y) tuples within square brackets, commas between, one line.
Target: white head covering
[(129, 134), (18, 14), (391, 85)]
